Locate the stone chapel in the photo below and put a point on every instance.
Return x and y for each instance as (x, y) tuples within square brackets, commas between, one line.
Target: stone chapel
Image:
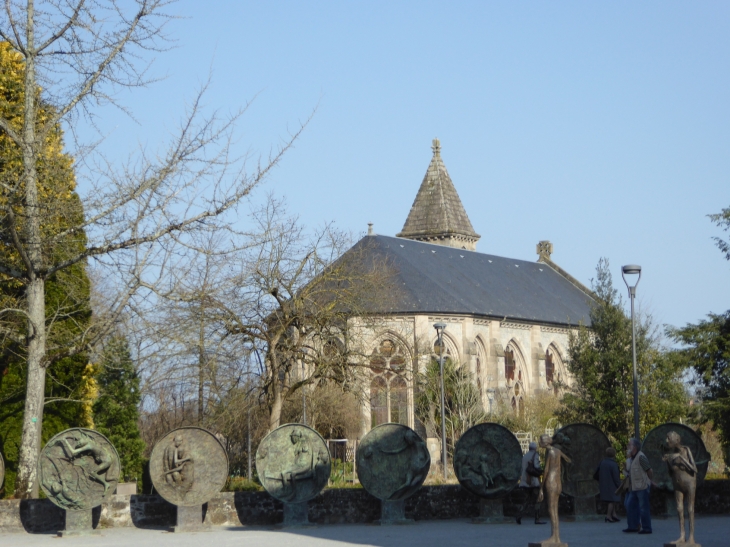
[(507, 320)]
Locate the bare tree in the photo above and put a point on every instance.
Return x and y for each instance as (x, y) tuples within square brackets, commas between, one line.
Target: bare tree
[(293, 301), (77, 54)]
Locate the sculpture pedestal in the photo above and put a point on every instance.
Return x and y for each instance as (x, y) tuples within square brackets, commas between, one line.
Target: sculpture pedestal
[(490, 512), (78, 523), (547, 544), (585, 509), (190, 519), (683, 544), (296, 514), (393, 512)]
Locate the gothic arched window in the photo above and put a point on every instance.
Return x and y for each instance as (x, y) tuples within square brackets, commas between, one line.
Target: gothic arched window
[(509, 364), (379, 400), (388, 388), (479, 374), (549, 367), (399, 400)]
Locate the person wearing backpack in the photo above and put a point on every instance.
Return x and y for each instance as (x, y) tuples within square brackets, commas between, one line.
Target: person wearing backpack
[(530, 483)]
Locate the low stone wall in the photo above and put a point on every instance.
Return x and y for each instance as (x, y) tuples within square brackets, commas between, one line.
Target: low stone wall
[(330, 507)]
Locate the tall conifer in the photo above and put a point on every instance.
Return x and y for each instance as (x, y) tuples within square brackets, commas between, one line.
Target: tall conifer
[(67, 293)]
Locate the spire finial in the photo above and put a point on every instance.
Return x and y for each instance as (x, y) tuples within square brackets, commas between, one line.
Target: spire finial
[(436, 147), (544, 250)]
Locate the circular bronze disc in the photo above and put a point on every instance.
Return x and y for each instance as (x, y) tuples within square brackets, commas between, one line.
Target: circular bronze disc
[(392, 462), (586, 446), (488, 460), (78, 469), (188, 466), (293, 463), (655, 446), (2, 470)]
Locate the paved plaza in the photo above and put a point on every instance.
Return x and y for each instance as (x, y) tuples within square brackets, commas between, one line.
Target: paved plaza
[(712, 532)]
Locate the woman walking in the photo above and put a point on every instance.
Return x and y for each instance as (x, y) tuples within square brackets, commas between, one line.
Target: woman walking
[(608, 483)]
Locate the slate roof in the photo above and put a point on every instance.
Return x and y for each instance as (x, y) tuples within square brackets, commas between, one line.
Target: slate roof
[(437, 209), (435, 279)]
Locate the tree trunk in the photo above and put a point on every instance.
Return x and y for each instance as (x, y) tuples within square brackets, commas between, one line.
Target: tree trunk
[(201, 385), (26, 485), (27, 481), (275, 409)]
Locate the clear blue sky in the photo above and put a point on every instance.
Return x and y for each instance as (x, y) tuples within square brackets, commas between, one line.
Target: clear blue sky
[(601, 126)]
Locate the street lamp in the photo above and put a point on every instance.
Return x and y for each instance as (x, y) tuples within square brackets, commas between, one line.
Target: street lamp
[(440, 327), (490, 396), (304, 399), (633, 269)]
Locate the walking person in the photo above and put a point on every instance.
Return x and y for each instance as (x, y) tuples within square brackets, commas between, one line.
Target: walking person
[(530, 483), (608, 483), (641, 477)]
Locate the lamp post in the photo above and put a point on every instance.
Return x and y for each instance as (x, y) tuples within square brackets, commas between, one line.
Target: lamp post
[(633, 269), (440, 327), (304, 399), (248, 444)]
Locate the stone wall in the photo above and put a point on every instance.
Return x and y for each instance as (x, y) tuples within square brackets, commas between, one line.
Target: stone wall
[(330, 507)]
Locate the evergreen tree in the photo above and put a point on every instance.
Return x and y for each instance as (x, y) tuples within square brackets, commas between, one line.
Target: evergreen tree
[(600, 361), (67, 293), (116, 410), (707, 351)]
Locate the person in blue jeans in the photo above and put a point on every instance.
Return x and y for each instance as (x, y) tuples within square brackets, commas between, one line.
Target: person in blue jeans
[(641, 477)]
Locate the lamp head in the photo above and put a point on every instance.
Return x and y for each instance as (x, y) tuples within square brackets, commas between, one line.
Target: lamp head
[(631, 269), (439, 326)]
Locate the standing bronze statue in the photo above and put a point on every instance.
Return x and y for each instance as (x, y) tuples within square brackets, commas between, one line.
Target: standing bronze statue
[(683, 470), (551, 487)]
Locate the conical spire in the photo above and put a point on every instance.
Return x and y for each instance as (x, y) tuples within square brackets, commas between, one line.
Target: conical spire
[(437, 214)]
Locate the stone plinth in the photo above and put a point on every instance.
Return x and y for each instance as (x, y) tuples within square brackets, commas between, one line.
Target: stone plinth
[(393, 512), (78, 523), (126, 489), (296, 514), (490, 512), (189, 519), (682, 544), (585, 509), (547, 544)]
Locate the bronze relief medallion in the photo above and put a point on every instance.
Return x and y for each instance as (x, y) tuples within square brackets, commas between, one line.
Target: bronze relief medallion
[(586, 446), (655, 447), (293, 463), (189, 466), (488, 460), (392, 462), (78, 469)]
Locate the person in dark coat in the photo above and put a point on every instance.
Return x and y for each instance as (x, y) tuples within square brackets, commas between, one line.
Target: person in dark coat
[(608, 482)]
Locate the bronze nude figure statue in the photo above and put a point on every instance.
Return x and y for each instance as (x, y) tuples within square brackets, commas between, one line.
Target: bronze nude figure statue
[(86, 445), (683, 470), (551, 487), (178, 465)]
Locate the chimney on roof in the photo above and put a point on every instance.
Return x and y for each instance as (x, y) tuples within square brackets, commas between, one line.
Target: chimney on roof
[(544, 250)]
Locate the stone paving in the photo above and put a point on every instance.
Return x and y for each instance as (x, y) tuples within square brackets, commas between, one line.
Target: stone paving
[(713, 531)]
